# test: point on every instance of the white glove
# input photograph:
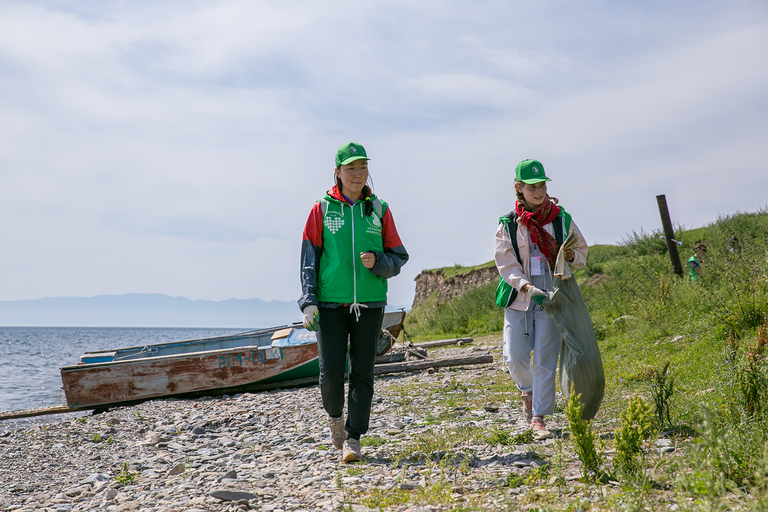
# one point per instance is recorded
(310, 318)
(537, 295)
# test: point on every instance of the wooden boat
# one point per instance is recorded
(224, 364)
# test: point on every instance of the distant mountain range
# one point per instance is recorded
(147, 310)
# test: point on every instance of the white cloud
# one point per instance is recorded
(176, 147)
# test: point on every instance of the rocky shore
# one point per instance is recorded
(271, 451)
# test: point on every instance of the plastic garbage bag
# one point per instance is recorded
(580, 362)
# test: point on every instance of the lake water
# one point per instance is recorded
(30, 357)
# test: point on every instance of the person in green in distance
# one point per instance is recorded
(349, 250)
(526, 247)
(695, 262)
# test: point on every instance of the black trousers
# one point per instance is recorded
(339, 329)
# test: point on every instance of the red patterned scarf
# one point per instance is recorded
(534, 221)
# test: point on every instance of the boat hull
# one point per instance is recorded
(206, 366)
(99, 384)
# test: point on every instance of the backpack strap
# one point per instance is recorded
(510, 221)
(505, 294)
(378, 207)
(564, 227)
(558, 227)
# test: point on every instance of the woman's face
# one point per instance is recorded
(353, 178)
(534, 194)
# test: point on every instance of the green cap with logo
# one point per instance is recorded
(530, 172)
(348, 153)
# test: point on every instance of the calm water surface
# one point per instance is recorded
(30, 357)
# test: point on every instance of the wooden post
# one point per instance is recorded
(669, 234)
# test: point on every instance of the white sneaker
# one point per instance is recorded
(337, 431)
(352, 451)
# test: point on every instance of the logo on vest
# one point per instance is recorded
(333, 222)
(374, 224)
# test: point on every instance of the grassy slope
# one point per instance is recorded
(645, 316)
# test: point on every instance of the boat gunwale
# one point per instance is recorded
(246, 334)
(88, 366)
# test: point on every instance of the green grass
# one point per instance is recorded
(473, 313)
(711, 336)
(458, 269)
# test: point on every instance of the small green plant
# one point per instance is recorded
(322, 447)
(499, 436)
(636, 422)
(186, 474)
(506, 438)
(715, 468)
(753, 379)
(514, 480)
(662, 388)
(559, 462)
(110, 440)
(537, 474)
(354, 471)
(455, 385)
(338, 481)
(126, 476)
(82, 420)
(373, 440)
(525, 437)
(760, 487)
(584, 439)
(96, 438)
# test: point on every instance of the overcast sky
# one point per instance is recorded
(177, 147)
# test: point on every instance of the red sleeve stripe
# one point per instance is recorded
(389, 231)
(313, 230)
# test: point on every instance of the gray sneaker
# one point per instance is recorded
(352, 451)
(337, 431)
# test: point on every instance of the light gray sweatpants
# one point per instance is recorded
(526, 332)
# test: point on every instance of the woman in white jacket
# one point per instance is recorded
(527, 327)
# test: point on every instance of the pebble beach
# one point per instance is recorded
(267, 451)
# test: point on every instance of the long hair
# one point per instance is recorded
(367, 192)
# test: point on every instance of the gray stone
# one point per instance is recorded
(97, 477)
(231, 495)
(176, 470)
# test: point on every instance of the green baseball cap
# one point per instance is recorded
(530, 171)
(348, 153)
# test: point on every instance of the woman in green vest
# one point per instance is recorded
(350, 249)
(526, 265)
